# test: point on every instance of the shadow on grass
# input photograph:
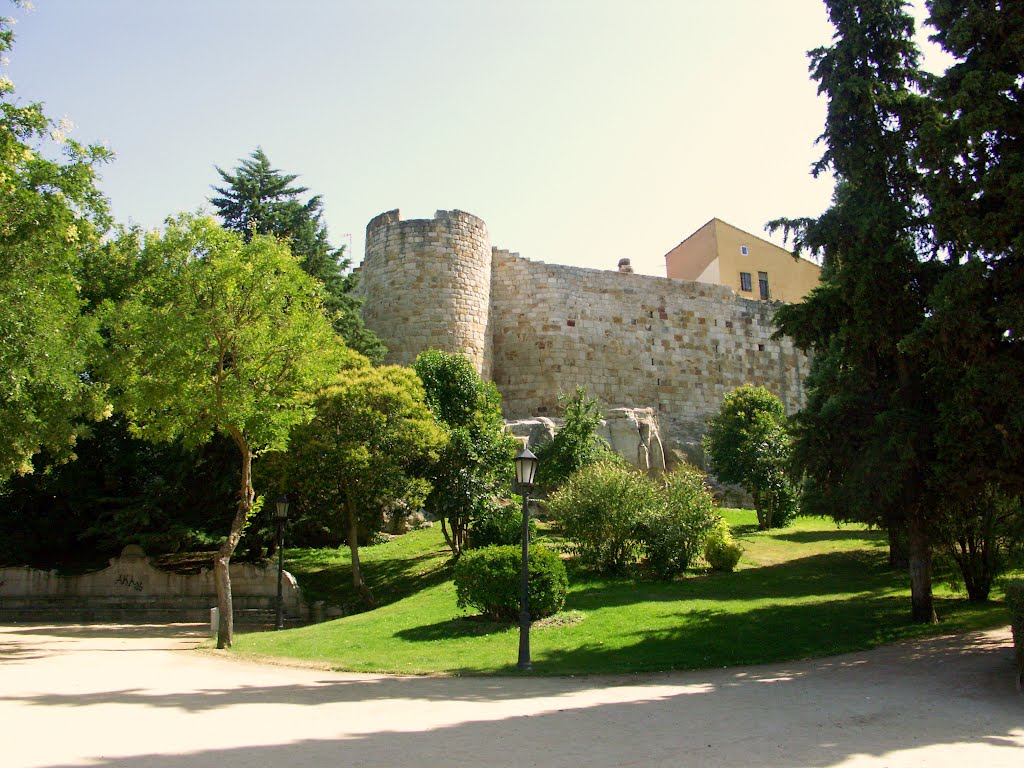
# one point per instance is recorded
(464, 626)
(832, 573)
(390, 580)
(745, 529)
(702, 638)
(809, 537)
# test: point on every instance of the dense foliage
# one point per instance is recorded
(489, 580)
(601, 510)
(864, 436)
(721, 551)
(981, 536)
(674, 532)
(120, 490)
(476, 466)
(613, 515)
(501, 524)
(364, 454)
(258, 199)
(51, 217)
(748, 443)
(576, 443)
(912, 411)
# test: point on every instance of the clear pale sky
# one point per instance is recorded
(581, 131)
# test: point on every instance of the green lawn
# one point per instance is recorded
(812, 589)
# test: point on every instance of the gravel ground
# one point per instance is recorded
(119, 696)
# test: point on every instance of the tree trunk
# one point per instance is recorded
(922, 610)
(222, 562)
(899, 548)
(353, 547)
(759, 509)
(447, 536)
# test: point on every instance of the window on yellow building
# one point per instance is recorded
(745, 284)
(762, 283)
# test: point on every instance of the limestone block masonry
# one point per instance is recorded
(428, 284)
(537, 329)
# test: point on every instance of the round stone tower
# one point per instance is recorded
(427, 284)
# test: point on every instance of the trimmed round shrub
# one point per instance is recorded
(676, 532)
(488, 579)
(720, 550)
(499, 524)
(601, 510)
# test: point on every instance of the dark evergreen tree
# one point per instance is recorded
(863, 438)
(260, 199)
(974, 155)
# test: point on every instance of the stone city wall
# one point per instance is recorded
(428, 284)
(537, 329)
(632, 340)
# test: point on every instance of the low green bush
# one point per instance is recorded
(489, 579)
(675, 532)
(721, 551)
(601, 510)
(499, 524)
(1014, 590)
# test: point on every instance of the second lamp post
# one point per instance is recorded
(282, 515)
(526, 471)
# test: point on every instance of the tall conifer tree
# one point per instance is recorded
(863, 437)
(974, 156)
(258, 199)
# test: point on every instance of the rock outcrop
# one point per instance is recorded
(631, 432)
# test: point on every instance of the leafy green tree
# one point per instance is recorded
(224, 336)
(365, 452)
(576, 444)
(476, 464)
(258, 199)
(51, 215)
(748, 444)
(981, 537)
(864, 438)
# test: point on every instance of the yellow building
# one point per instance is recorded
(721, 254)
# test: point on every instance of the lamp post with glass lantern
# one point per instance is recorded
(526, 470)
(281, 510)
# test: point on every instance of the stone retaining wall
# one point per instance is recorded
(131, 584)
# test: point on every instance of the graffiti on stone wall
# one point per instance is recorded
(125, 580)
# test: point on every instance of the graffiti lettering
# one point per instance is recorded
(130, 582)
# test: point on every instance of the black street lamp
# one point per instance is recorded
(282, 515)
(526, 470)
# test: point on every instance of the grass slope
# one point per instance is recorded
(809, 590)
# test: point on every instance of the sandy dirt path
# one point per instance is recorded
(120, 696)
